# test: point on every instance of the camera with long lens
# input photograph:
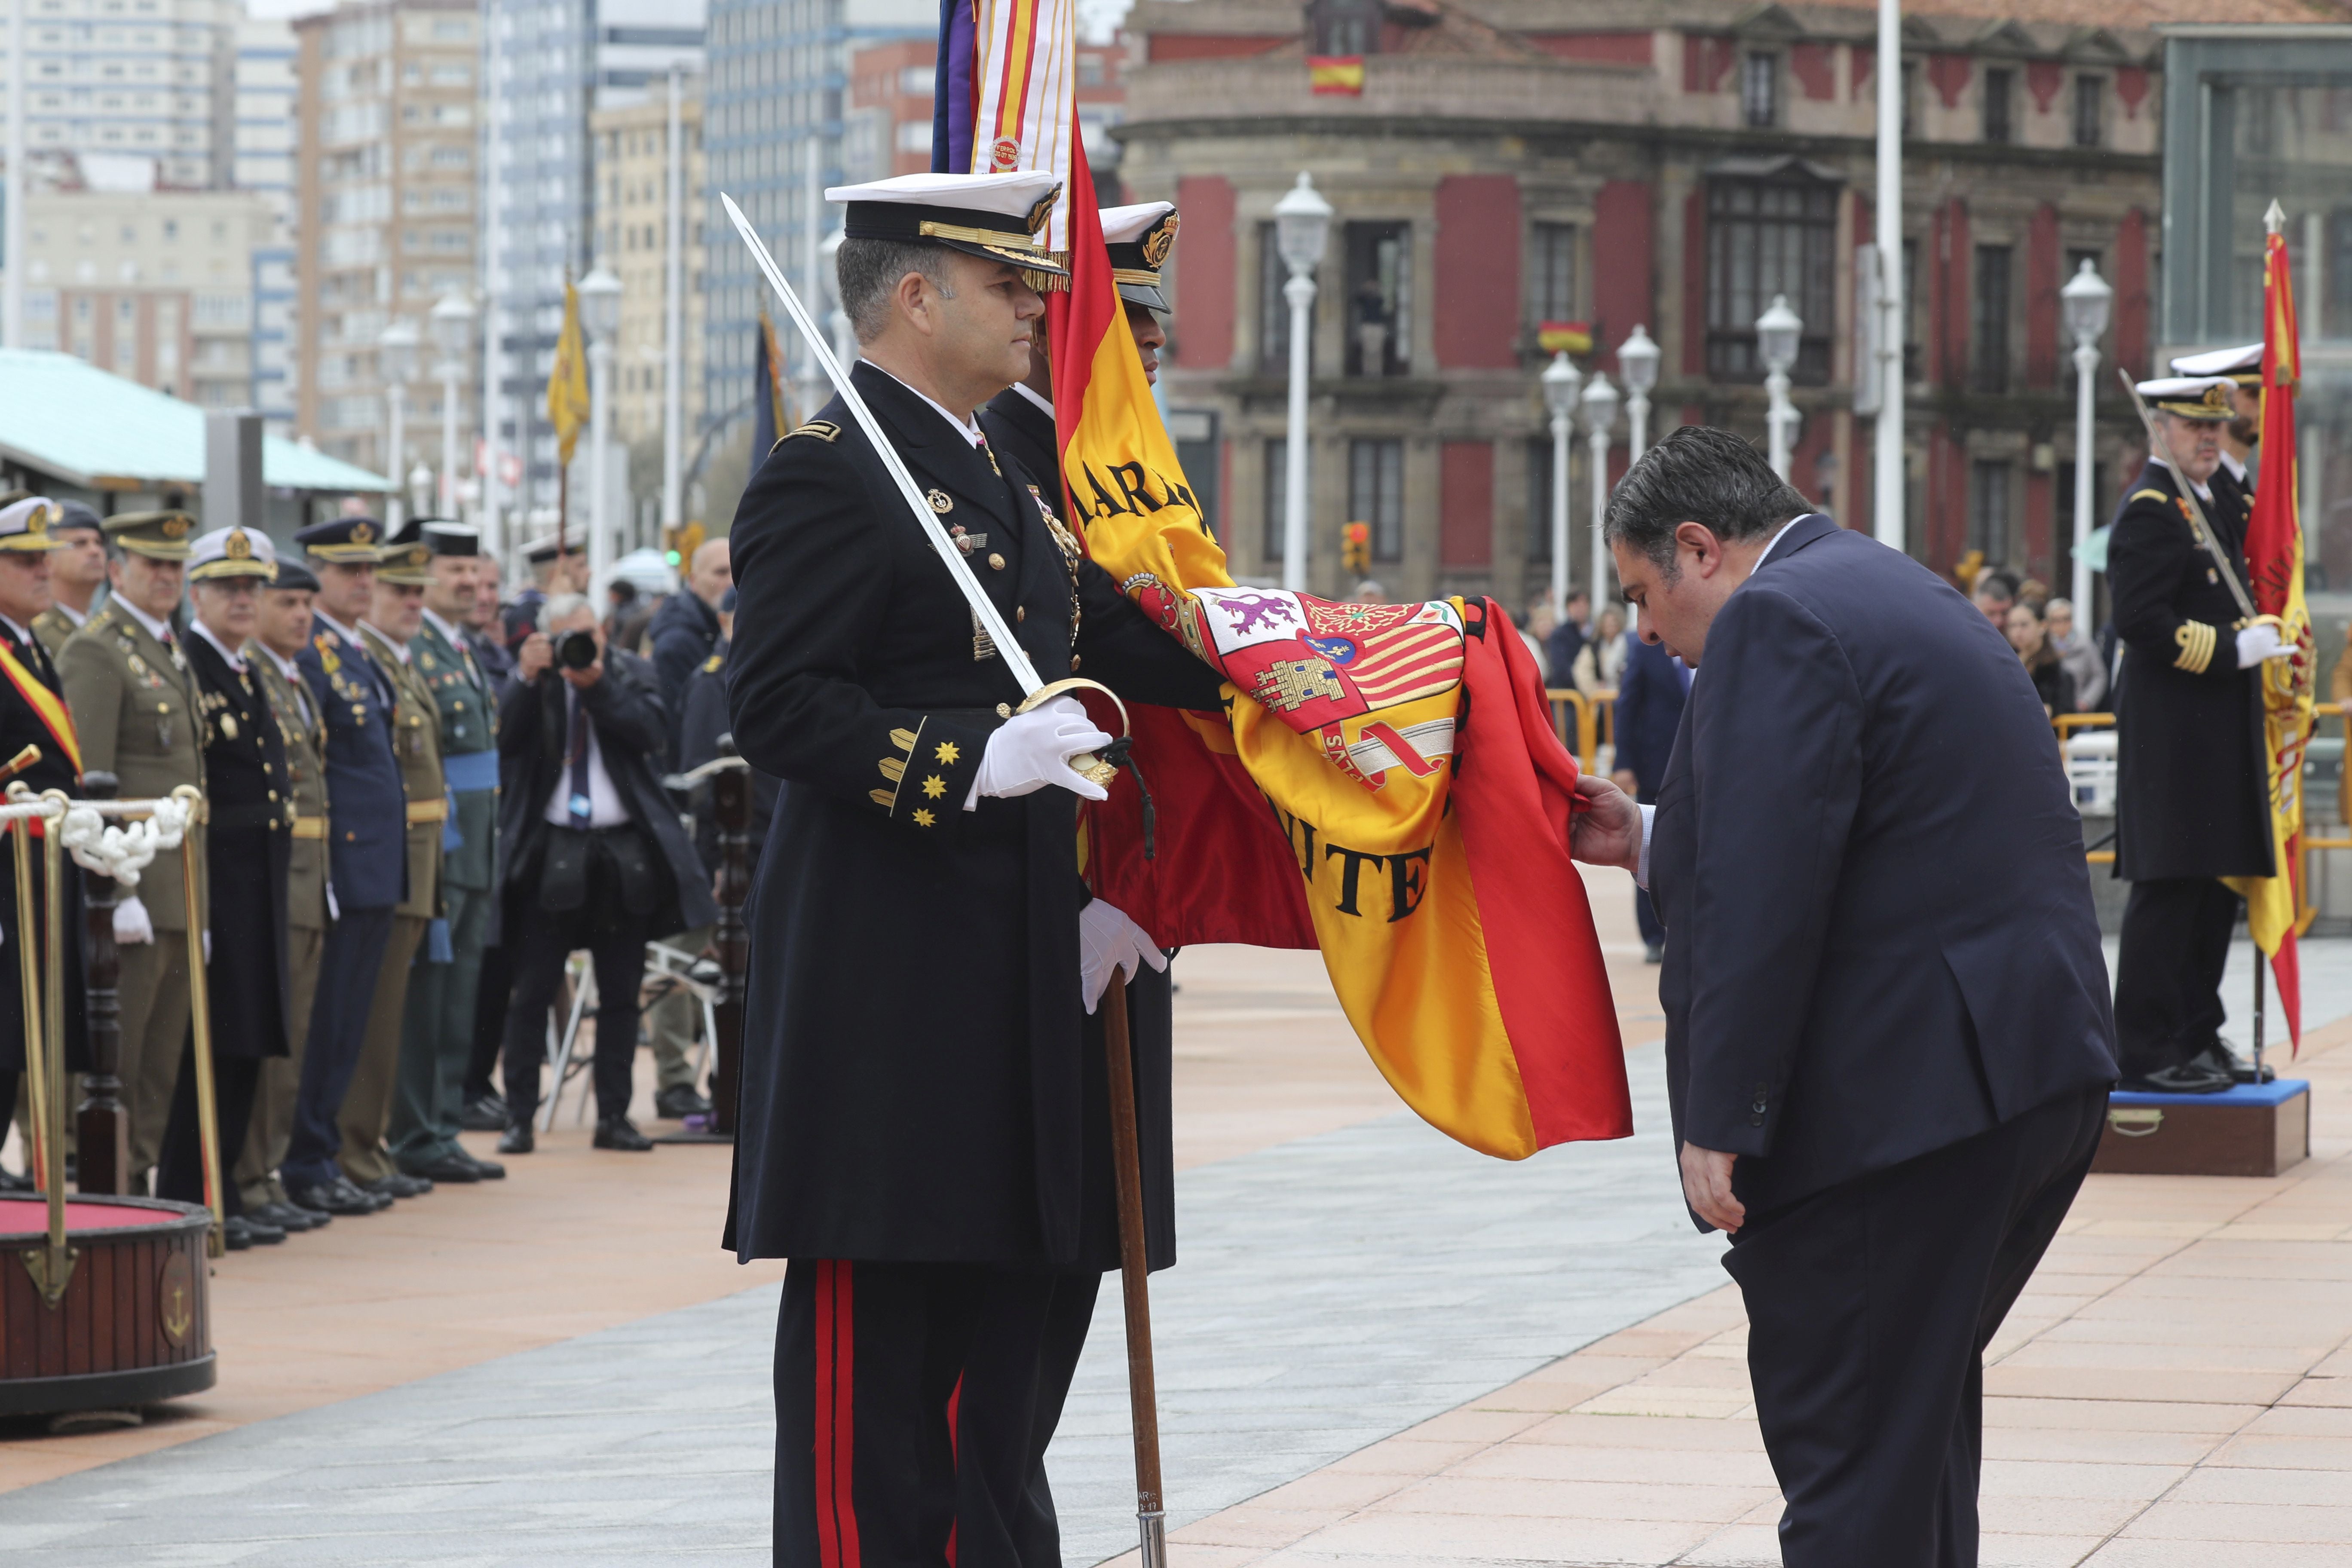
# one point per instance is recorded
(575, 649)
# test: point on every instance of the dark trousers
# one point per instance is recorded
(2176, 942)
(1869, 1306)
(339, 1022)
(180, 1166)
(914, 1404)
(617, 946)
(496, 983)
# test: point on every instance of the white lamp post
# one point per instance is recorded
(420, 489)
(1302, 222)
(2086, 298)
(1599, 414)
(453, 334)
(1777, 332)
(673, 512)
(600, 315)
(397, 360)
(1561, 382)
(1637, 362)
(1889, 482)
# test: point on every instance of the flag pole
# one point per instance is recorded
(1134, 1276)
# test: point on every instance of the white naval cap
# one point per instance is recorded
(995, 217)
(25, 525)
(232, 552)
(2243, 365)
(2191, 396)
(1138, 239)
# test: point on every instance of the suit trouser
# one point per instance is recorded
(1869, 1306)
(339, 1026)
(436, 1036)
(914, 1404)
(367, 1107)
(180, 1167)
(272, 1122)
(618, 954)
(490, 994)
(153, 986)
(674, 1023)
(2176, 942)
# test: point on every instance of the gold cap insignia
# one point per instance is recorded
(173, 526)
(1160, 240)
(1043, 209)
(362, 533)
(238, 548)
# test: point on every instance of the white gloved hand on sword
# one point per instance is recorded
(1032, 749)
(2261, 642)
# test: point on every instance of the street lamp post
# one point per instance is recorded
(1561, 382)
(600, 314)
(453, 332)
(396, 359)
(673, 513)
(1637, 362)
(2086, 298)
(1302, 222)
(1777, 332)
(1599, 414)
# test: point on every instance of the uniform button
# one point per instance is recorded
(1073, 661)
(273, 794)
(1021, 612)
(995, 563)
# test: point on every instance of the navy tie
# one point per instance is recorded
(582, 806)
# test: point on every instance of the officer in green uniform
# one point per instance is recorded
(396, 613)
(436, 1037)
(136, 710)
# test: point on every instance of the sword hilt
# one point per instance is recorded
(1093, 767)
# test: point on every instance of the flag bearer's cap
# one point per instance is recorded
(73, 514)
(451, 538)
(2243, 366)
(995, 217)
(1139, 238)
(157, 535)
(345, 541)
(232, 552)
(2201, 397)
(295, 577)
(26, 525)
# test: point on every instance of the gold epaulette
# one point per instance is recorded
(2151, 494)
(710, 666)
(822, 429)
(2196, 641)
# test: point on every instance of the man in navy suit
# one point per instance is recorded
(1650, 697)
(1887, 1071)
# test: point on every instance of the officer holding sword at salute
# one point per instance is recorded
(922, 1131)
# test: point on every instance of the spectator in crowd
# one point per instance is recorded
(686, 630)
(2079, 654)
(622, 606)
(2029, 634)
(1650, 695)
(1996, 591)
(1602, 662)
(595, 856)
(77, 575)
(1536, 632)
(1369, 592)
(1566, 639)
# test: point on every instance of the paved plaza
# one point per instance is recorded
(1377, 1348)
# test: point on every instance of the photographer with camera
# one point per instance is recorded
(596, 857)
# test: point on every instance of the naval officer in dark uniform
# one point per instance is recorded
(2193, 789)
(923, 1132)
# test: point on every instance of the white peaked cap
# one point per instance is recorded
(1125, 225)
(1009, 196)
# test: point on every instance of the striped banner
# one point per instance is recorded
(1026, 83)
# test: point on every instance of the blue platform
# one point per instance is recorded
(2277, 1092)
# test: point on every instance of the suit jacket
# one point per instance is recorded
(135, 705)
(1846, 985)
(2192, 787)
(248, 843)
(305, 740)
(915, 1079)
(368, 850)
(23, 723)
(1650, 698)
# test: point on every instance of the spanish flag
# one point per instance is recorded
(2275, 557)
(1335, 76)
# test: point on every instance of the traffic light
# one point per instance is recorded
(678, 544)
(1356, 548)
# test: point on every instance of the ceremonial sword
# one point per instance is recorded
(1016, 659)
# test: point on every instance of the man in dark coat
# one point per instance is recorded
(1650, 697)
(686, 628)
(594, 855)
(1887, 1071)
(2192, 790)
(248, 845)
(33, 714)
(939, 1174)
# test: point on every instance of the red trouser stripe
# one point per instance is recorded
(955, 1398)
(836, 1361)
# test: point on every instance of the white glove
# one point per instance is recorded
(1108, 939)
(2260, 642)
(208, 947)
(333, 913)
(130, 922)
(1032, 749)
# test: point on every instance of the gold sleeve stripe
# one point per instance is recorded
(2151, 494)
(882, 797)
(903, 739)
(892, 768)
(895, 768)
(2196, 641)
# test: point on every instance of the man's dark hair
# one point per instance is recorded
(1703, 474)
(1997, 585)
(868, 273)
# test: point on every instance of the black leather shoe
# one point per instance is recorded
(337, 1196)
(679, 1101)
(241, 1231)
(397, 1185)
(287, 1217)
(447, 1168)
(10, 1182)
(485, 1170)
(620, 1133)
(484, 1113)
(518, 1139)
(2196, 1077)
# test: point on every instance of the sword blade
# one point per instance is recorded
(983, 610)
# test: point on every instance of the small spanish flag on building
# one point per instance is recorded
(1336, 75)
(1564, 337)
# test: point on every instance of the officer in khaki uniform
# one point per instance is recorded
(285, 628)
(135, 707)
(75, 575)
(401, 573)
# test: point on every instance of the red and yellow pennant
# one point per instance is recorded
(2274, 559)
(47, 703)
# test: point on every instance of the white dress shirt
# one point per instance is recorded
(965, 425)
(160, 630)
(235, 660)
(605, 807)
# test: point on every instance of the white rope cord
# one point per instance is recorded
(122, 851)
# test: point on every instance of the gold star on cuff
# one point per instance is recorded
(935, 786)
(947, 752)
(924, 819)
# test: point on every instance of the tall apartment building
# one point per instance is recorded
(385, 196)
(146, 79)
(262, 160)
(551, 63)
(633, 170)
(154, 286)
